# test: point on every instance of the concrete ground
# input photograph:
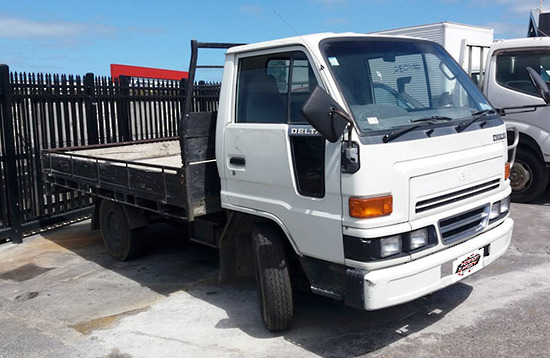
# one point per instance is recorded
(62, 295)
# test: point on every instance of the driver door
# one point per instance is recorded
(276, 165)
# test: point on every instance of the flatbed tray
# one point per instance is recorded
(144, 174)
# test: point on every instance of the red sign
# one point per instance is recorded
(146, 72)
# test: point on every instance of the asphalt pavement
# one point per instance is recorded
(62, 295)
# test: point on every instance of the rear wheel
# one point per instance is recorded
(121, 241)
(272, 278)
(528, 176)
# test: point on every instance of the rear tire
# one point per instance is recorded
(272, 278)
(528, 176)
(120, 240)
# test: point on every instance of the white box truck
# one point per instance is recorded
(468, 44)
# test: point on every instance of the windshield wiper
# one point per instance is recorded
(398, 133)
(477, 116)
(431, 119)
(417, 122)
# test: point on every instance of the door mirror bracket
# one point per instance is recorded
(326, 115)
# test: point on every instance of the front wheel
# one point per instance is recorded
(528, 176)
(119, 238)
(272, 278)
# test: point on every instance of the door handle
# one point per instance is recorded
(237, 161)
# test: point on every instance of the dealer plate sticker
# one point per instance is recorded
(467, 264)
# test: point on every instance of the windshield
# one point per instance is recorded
(393, 83)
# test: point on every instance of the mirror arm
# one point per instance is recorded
(344, 115)
(349, 141)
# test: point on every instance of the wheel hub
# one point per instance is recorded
(115, 227)
(520, 176)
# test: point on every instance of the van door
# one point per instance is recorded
(276, 164)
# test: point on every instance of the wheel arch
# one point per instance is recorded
(235, 244)
(527, 142)
(265, 217)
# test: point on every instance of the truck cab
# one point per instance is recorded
(373, 160)
(507, 83)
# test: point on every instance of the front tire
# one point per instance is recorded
(120, 240)
(272, 277)
(528, 176)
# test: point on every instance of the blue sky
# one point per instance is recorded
(76, 37)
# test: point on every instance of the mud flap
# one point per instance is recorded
(355, 292)
(235, 249)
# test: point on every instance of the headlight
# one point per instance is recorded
(417, 239)
(499, 209)
(390, 246)
(505, 205)
(495, 211)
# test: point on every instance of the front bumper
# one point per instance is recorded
(403, 283)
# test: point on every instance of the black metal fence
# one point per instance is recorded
(50, 111)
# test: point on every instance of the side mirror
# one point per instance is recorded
(325, 115)
(540, 85)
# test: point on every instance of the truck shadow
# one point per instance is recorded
(321, 326)
(544, 199)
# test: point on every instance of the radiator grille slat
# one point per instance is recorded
(458, 195)
(465, 225)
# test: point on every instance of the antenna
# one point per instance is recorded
(295, 33)
(300, 36)
(287, 24)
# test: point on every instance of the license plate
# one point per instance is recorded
(467, 264)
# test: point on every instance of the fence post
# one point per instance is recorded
(91, 109)
(14, 205)
(123, 112)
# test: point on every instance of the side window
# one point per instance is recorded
(511, 70)
(273, 88)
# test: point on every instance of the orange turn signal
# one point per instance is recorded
(370, 207)
(506, 170)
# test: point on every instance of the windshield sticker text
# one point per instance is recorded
(407, 67)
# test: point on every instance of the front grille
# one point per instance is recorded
(464, 226)
(456, 196)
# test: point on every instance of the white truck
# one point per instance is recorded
(499, 68)
(370, 165)
(506, 84)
